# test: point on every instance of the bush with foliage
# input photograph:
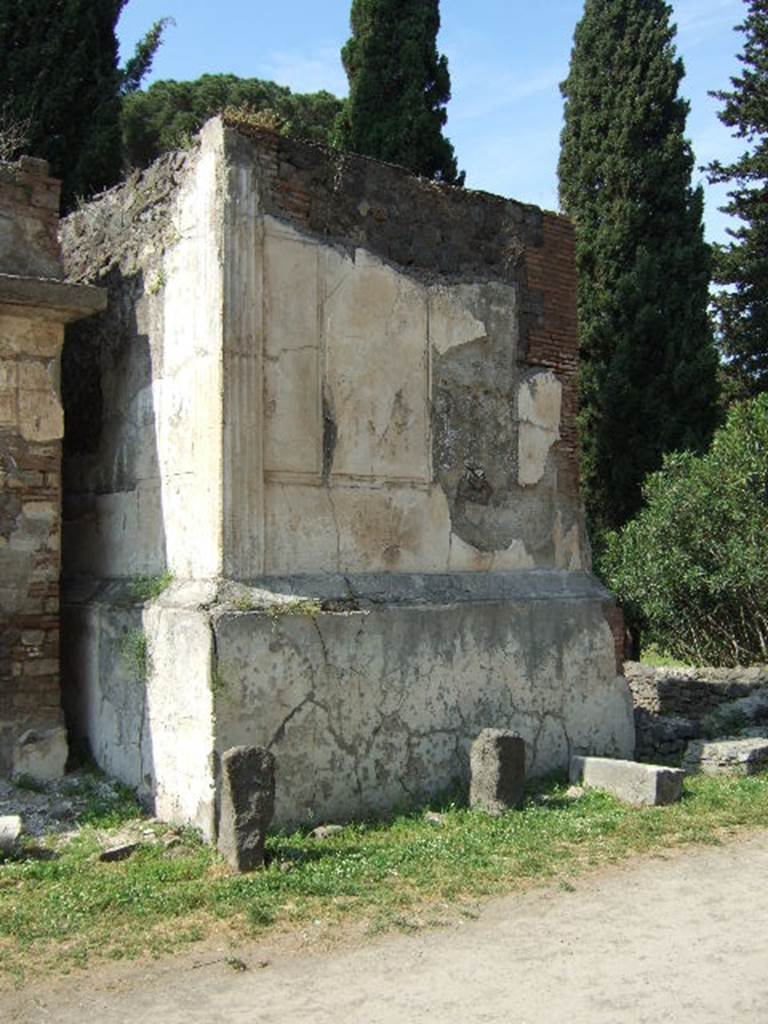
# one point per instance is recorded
(692, 568)
(168, 113)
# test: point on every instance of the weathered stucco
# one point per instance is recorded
(322, 377)
(369, 690)
(254, 376)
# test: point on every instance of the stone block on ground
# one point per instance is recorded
(41, 754)
(247, 805)
(497, 765)
(10, 832)
(630, 781)
(744, 755)
(118, 853)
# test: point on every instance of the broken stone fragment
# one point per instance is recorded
(247, 805)
(740, 756)
(41, 754)
(116, 853)
(10, 832)
(497, 765)
(325, 831)
(434, 819)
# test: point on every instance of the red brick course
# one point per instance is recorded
(552, 331)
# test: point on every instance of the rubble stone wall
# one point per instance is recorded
(675, 705)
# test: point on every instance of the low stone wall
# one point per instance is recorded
(672, 705)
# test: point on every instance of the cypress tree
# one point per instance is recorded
(58, 66)
(399, 87)
(742, 311)
(60, 77)
(648, 377)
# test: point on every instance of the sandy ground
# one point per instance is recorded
(678, 938)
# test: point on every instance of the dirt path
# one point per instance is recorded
(675, 939)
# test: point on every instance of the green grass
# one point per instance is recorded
(147, 588)
(134, 650)
(654, 658)
(403, 873)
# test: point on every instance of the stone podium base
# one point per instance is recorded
(368, 689)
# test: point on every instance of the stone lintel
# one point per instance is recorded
(47, 299)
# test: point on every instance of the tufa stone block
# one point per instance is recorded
(41, 754)
(630, 781)
(247, 805)
(497, 765)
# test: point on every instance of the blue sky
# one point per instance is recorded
(506, 59)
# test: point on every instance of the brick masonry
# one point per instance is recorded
(31, 428)
(551, 328)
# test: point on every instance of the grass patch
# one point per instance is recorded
(147, 588)
(294, 606)
(407, 872)
(654, 658)
(134, 650)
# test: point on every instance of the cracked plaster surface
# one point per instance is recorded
(366, 709)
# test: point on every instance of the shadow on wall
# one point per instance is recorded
(113, 530)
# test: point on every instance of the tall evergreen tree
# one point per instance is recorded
(742, 310)
(398, 87)
(59, 74)
(648, 378)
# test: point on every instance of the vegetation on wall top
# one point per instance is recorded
(169, 113)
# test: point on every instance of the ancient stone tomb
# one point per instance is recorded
(322, 484)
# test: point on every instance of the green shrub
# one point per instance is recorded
(168, 113)
(692, 568)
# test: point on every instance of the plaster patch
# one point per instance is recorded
(377, 365)
(450, 321)
(515, 557)
(568, 553)
(539, 401)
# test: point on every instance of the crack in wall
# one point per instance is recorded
(279, 734)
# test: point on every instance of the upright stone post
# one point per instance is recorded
(35, 304)
(497, 765)
(247, 805)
